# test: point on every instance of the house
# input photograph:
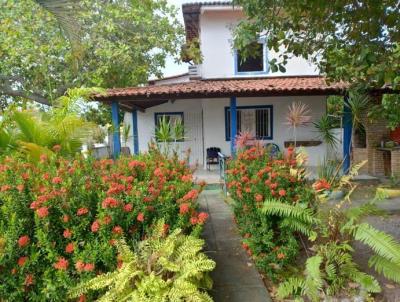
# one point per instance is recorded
(226, 94)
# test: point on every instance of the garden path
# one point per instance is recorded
(236, 279)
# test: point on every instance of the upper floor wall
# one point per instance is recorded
(216, 24)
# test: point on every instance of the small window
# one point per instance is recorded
(256, 120)
(254, 63)
(173, 118)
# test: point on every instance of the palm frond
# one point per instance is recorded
(65, 13)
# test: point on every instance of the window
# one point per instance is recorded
(253, 64)
(170, 117)
(254, 119)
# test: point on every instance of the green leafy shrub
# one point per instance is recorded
(163, 268)
(59, 218)
(331, 268)
(254, 177)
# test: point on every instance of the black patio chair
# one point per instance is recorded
(212, 156)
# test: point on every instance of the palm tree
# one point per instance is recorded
(35, 133)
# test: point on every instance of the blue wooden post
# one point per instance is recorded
(233, 111)
(135, 133)
(347, 133)
(115, 122)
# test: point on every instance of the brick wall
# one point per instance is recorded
(359, 155)
(375, 132)
(396, 163)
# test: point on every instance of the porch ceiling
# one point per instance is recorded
(141, 98)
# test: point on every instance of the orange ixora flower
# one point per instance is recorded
(67, 233)
(184, 208)
(82, 211)
(89, 267)
(43, 212)
(202, 217)
(281, 256)
(23, 241)
(28, 280)
(61, 264)
(56, 180)
(95, 226)
(282, 192)
(22, 260)
(140, 217)
(69, 248)
(79, 265)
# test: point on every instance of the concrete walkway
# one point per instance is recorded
(235, 278)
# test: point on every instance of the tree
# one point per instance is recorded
(354, 41)
(121, 43)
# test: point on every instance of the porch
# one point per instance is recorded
(208, 101)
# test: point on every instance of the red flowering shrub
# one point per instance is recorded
(254, 177)
(59, 219)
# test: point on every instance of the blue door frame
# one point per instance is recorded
(347, 133)
(233, 109)
(116, 134)
(135, 133)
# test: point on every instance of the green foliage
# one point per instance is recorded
(162, 268)
(168, 133)
(121, 43)
(324, 127)
(191, 52)
(330, 170)
(331, 268)
(64, 215)
(255, 178)
(389, 110)
(357, 42)
(35, 133)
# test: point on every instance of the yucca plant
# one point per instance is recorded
(332, 228)
(324, 127)
(298, 115)
(126, 129)
(162, 269)
(167, 133)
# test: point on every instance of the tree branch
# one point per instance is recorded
(36, 97)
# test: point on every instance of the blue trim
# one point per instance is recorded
(265, 59)
(271, 123)
(157, 114)
(233, 124)
(347, 133)
(135, 133)
(116, 136)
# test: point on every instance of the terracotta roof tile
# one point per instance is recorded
(289, 85)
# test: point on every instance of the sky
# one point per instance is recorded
(172, 68)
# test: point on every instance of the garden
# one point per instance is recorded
(65, 221)
(301, 237)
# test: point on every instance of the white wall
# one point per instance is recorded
(192, 121)
(216, 47)
(214, 122)
(212, 111)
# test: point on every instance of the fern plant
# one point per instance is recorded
(162, 268)
(331, 267)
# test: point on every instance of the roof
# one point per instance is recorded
(147, 96)
(176, 77)
(191, 16)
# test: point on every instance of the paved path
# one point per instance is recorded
(235, 278)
